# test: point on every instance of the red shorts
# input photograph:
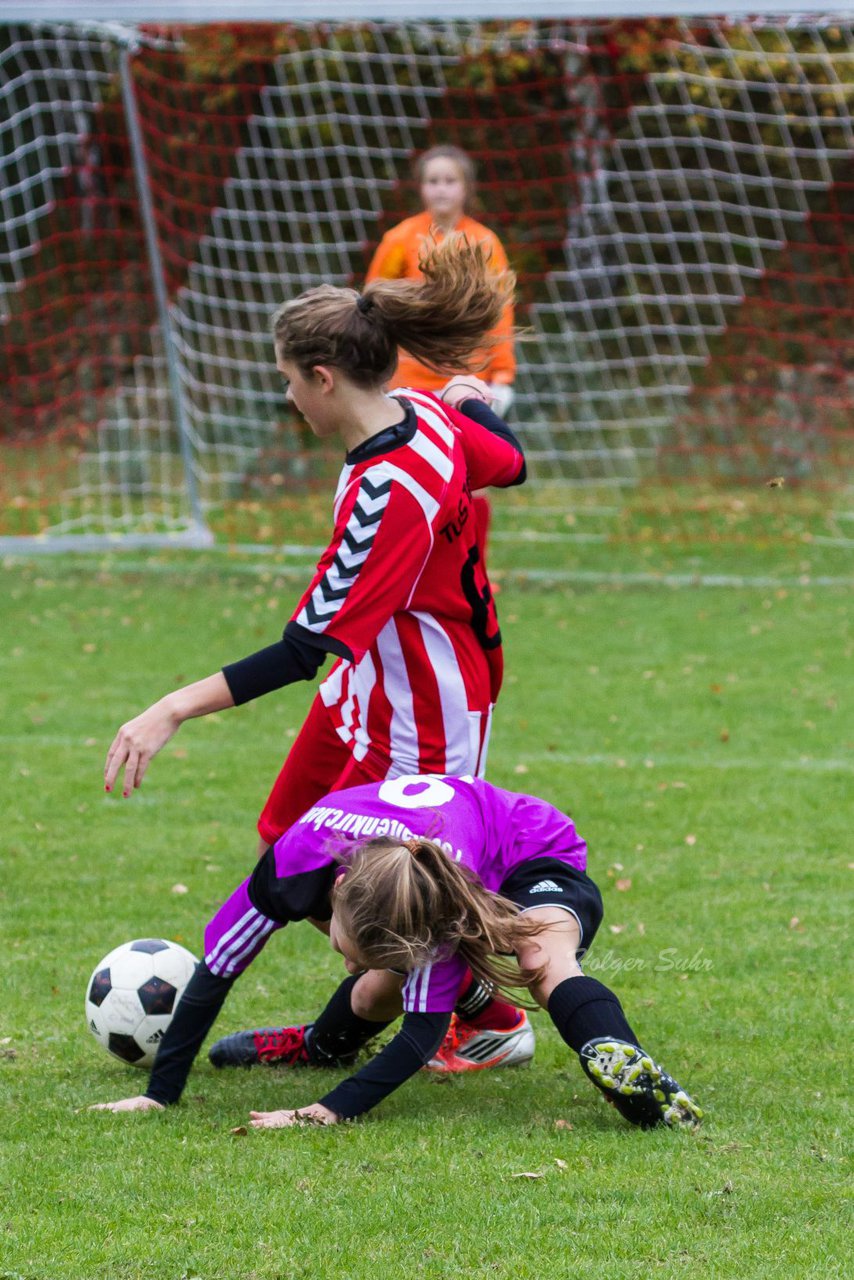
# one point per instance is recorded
(317, 763)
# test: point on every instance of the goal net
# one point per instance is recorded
(677, 197)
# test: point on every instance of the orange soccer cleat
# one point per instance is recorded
(468, 1048)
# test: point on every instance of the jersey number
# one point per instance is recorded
(479, 600)
(417, 791)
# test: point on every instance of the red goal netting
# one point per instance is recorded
(677, 198)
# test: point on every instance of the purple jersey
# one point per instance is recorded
(489, 830)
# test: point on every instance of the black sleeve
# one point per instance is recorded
(196, 1013)
(297, 656)
(480, 412)
(415, 1043)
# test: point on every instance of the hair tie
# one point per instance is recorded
(364, 304)
(413, 846)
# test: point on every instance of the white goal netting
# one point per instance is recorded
(676, 196)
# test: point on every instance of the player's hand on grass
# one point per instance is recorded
(137, 741)
(139, 1103)
(465, 386)
(315, 1114)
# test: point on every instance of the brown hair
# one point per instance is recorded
(401, 904)
(444, 320)
(461, 159)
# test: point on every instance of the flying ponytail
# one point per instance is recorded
(403, 905)
(444, 320)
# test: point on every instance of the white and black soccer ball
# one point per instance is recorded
(132, 995)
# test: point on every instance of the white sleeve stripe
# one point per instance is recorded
(432, 454)
(409, 991)
(247, 918)
(428, 505)
(425, 988)
(431, 414)
(252, 944)
(341, 489)
(223, 959)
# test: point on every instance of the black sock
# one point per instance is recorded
(339, 1033)
(584, 1009)
(195, 1014)
(479, 1006)
(476, 997)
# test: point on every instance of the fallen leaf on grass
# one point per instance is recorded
(623, 886)
(532, 1177)
(562, 1124)
(691, 840)
(240, 1132)
(616, 928)
(561, 1164)
(776, 482)
(180, 888)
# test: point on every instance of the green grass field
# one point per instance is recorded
(701, 740)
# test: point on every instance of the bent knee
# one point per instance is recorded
(376, 996)
(554, 951)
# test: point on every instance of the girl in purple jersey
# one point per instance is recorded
(423, 876)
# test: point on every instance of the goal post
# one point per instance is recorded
(675, 194)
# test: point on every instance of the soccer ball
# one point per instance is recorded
(132, 995)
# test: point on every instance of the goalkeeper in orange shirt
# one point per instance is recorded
(446, 180)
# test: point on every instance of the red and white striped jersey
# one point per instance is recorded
(402, 591)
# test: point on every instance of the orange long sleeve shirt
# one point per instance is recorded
(397, 258)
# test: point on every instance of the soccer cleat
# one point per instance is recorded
(641, 1091)
(468, 1048)
(271, 1046)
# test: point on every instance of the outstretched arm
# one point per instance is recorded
(233, 938)
(138, 741)
(141, 738)
(413, 1046)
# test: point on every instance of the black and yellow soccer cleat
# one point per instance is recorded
(642, 1092)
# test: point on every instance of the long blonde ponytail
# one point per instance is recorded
(404, 905)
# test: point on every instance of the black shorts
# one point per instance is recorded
(548, 882)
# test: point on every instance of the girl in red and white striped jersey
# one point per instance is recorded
(400, 598)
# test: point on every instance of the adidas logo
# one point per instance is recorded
(545, 886)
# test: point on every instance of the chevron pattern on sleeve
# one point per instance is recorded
(356, 541)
